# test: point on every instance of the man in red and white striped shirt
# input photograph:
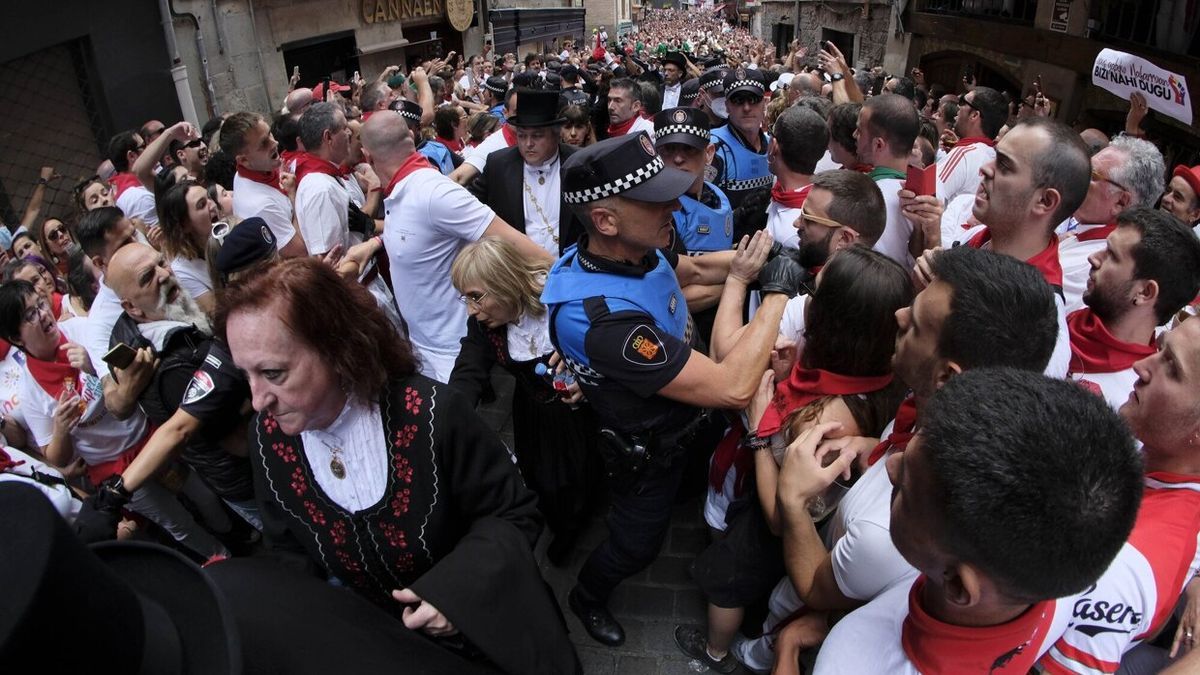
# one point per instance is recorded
(1133, 599)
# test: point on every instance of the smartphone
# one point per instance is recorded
(120, 356)
(922, 181)
(356, 76)
(295, 71)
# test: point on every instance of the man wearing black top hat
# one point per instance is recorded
(674, 72)
(523, 183)
(619, 319)
(445, 159)
(741, 159)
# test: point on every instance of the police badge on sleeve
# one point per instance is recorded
(200, 386)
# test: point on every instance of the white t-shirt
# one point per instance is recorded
(192, 274)
(99, 437)
(1114, 387)
(1075, 243)
(781, 222)
(105, 311)
(791, 326)
(477, 156)
(826, 163)
(957, 218)
(429, 219)
(251, 198)
(958, 172)
(322, 212)
(138, 202)
(898, 231)
(641, 124)
(12, 370)
(64, 501)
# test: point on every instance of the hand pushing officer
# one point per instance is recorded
(619, 319)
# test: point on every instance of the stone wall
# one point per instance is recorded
(770, 14)
(871, 33)
(601, 13)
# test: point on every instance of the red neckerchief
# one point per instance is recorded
(903, 429)
(933, 646)
(621, 128)
(729, 452)
(862, 168)
(56, 300)
(289, 158)
(789, 199)
(805, 385)
(6, 460)
(414, 162)
(1096, 233)
(308, 163)
(122, 182)
(367, 115)
(270, 178)
(510, 136)
(971, 140)
(1095, 350)
(454, 144)
(5, 346)
(53, 375)
(1046, 261)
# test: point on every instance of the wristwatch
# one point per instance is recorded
(836, 77)
(755, 442)
(118, 486)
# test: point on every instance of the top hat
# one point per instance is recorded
(677, 58)
(745, 80)
(688, 126)
(625, 166)
(127, 607)
(536, 108)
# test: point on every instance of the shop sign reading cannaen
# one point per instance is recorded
(405, 11)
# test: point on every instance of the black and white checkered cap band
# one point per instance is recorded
(494, 90)
(746, 83)
(681, 129)
(715, 83)
(617, 186)
(750, 184)
(410, 116)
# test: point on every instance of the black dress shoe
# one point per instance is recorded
(596, 619)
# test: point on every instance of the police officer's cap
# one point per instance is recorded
(688, 126)
(745, 80)
(410, 111)
(249, 242)
(689, 91)
(713, 81)
(626, 166)
(496, 84)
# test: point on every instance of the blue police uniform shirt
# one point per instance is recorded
(438, 155)
(737, 169)
(497, 111)
(706, 224)
(623, 330)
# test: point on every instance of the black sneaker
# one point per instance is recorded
(693, 642)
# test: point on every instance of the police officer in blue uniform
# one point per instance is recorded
(704, 221)
(740, 164)
(494, 89)
(445, 159)
(619, 319)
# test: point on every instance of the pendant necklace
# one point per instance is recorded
(336, 467)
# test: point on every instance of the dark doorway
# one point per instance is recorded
(949, 69)
(844, 41)
(334, 56)
(783, 34)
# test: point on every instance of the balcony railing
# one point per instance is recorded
(1152, 23)
(1013, 11)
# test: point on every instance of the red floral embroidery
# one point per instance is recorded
(404, 469)
(404, 562)
(314, 513)
(270, 424)
(400, 502)
(405, 436)
(349, 562)
(338, 532)
(412, 401)
(299, 482)
(286, 452)
(498, 343)
(394, 535)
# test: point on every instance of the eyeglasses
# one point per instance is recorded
(82, 185)
(194, 143)
(820, 220)
(31, 314)
(962, 100)
(57, 233)
(1097, 176)
(473, 298)
(220, 230)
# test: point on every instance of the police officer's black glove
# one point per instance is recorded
(101, 513)
(781, 275)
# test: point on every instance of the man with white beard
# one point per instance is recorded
(159, 314)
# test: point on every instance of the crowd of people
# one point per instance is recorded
(932, 351)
